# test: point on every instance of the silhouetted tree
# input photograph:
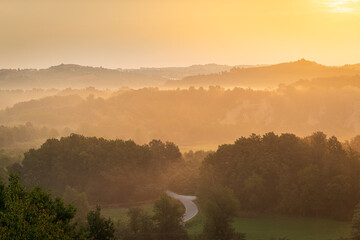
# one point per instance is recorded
(33, 214)
(355, 224)
(220, 208)
(168, 214)
(141, 226)
(99, 227)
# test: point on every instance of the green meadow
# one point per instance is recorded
(293, 228)
(263, 227)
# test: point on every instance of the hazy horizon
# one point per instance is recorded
(183, 66)
(132, 34)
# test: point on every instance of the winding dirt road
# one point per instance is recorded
(190, 207)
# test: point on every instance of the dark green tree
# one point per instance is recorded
(33, 214)
(355, 224)
(99, 228)
(168, 214)
(220, 208)
(140, 226)
(79, 200)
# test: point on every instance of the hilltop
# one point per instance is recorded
(267, 76)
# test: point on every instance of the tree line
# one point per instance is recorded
(25, 133)
(311, 176)
(108, 171)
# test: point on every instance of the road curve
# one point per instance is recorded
(190, 207)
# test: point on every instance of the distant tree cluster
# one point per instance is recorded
(10, 136)
(220, 207)
(108, 171)
(312, 176)
(8, 157)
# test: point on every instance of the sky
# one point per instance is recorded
(158, 33)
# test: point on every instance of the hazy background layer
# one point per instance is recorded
(41, 33)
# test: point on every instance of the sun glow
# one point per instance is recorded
(343, 6)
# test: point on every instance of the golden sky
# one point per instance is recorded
(134, 33)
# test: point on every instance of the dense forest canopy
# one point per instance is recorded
(311, 176)
(198, 116)
(108, 171)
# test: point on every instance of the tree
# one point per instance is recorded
(220, 208)
(141, 226)
(99, 227)
(168, 219)
(355, 224)
(79, 200)
(33, 214)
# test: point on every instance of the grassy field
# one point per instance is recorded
(293, 228)
(263, 227)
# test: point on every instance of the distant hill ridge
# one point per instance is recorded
(269, 76)
(253, 76)
(181, 72)
(77, 76)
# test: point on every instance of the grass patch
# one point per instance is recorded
(261, 227)
(294, 228)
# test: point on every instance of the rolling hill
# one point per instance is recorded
(267, 76)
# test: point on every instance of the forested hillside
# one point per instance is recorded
(9, 98)
(311, 176)
(199, 116)
(108, 171)
(17, 136)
